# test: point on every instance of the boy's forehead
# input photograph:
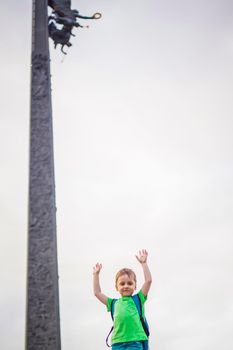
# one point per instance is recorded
(125, 277)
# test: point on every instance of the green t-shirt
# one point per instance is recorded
(127, 324)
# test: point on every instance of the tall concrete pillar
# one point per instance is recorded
(42, 316)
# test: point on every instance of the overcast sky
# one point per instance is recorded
(143, 119)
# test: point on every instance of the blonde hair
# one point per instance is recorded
(130, 273)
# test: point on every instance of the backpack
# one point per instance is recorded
(143, 320)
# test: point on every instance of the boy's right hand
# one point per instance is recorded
(96, 284)
(97, 268)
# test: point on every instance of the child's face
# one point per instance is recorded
(126, 285)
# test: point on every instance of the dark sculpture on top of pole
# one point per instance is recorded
(63, 14)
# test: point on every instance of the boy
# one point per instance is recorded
(128, 333)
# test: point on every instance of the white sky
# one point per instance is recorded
(143, 119)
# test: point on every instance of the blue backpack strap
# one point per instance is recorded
(112, 308)
(138, 304)
(144, 323)
(112, 315)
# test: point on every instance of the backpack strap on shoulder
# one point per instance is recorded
(112, 306)
(138, 304)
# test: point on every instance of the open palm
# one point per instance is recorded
(142, 256)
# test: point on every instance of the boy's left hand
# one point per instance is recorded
(142, 258)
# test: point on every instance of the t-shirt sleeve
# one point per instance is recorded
(143, 298)
(109, 302)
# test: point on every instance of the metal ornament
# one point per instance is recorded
(66, 17)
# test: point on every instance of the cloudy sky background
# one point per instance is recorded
(142, 108)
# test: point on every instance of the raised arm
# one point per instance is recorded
(142, 258)
(96, 284)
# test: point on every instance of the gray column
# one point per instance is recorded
(42, 319)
